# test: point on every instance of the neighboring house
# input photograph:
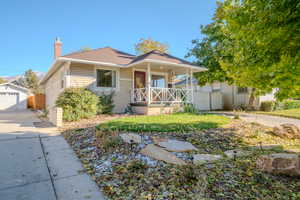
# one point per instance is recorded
(205, 98)
(145, 82)
(13, 97)
(232, 96)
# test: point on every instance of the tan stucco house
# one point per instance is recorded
(145, 82)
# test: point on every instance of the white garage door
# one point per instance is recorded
(8, 100)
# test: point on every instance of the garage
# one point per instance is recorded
(13, 97)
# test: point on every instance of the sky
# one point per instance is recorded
(28, 28)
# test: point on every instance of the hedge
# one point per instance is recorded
(284, 105)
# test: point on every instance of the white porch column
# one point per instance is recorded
(191, 86)
(187, 79)
(68, 75)
(148, 84)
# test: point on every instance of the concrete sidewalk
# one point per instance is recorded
(37, 166)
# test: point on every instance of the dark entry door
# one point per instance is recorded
(139, 79)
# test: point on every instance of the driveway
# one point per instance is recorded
(267, 120)
(38, 164)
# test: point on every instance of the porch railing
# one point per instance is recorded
(161, 95)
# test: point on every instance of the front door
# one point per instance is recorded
(139, 79)
(140, 87)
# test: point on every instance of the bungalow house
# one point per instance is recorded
(145, 82)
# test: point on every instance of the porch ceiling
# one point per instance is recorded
(162, 68)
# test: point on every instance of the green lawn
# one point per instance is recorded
(291, 113)
(179, 122)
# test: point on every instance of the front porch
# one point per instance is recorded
(159, 96)
(154, 92)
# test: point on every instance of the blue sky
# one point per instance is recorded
(28, 28)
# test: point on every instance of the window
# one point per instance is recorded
(62, 84)
(242, 90)
(106, 78)
(158, 81)
(62, 80)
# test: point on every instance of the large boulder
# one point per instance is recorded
(158, 153)
(131, 137)
(280, 163)
(205, 158)
(290, 131)
(177, 146)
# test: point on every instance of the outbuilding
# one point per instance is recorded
(13, 97)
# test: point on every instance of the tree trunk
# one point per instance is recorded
(252, 100)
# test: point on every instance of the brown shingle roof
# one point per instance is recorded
(110, 55)
(106, 54)
(157, 55)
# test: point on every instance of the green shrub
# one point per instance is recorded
(77, 103)
(288, 104)
(267, 106)
(190, 108)
(106, 103)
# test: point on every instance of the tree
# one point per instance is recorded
(85, 48)
(147, 45)
(253, 44)
(207, 53)
(2, 80)
(31, 81)
(264, 37)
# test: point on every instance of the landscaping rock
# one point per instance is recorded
(131, 137)
(177, 146)
(236, 153)
(157, 140)
(280, 163)
(290, 131)
(267, 147)
(158, 153)
(205, 158)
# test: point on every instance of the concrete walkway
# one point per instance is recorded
(266, 120)
(38, 164)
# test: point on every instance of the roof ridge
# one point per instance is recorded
(97, 49)
(81, 51)
(162, 54)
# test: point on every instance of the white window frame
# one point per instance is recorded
(117, 70)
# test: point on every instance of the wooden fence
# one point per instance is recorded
(36, 102)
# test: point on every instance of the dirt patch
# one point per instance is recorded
(43, 124)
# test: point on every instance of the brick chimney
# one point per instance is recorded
(57, 48)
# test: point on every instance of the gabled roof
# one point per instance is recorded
(114, 56)
(106, 54)
(157, 55)
(16, 86)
